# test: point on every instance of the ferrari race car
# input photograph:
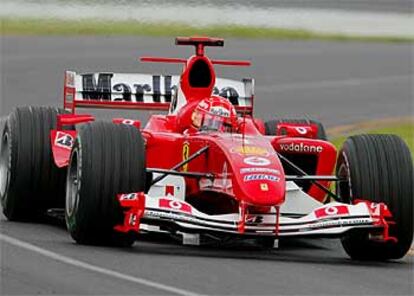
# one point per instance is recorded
(205, 171)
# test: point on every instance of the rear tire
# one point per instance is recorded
(107, 159)
(270, 126)
(307, 162)
(378, 168)
(30, 182)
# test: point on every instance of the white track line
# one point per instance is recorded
(94, 268)
(332, 83)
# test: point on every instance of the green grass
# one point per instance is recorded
(404, 130)
(11, 26)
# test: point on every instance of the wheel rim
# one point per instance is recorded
(73, 184)
(4, 165)
(344, 187)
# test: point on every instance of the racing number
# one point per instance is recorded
(186, 154)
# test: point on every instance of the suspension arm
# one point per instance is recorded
(313, 181)
(311, 178)
(178, 173)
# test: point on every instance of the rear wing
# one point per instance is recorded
(143, 91)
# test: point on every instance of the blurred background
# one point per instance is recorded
(361, 17)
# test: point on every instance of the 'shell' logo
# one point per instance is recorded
(251, 150)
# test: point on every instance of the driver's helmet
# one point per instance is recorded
(214, 114)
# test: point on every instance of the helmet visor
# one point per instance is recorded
(212, 122)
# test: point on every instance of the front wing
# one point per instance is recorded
(332, 219)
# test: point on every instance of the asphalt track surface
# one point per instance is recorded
(335, 82)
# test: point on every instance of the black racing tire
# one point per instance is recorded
(107, 159)
(270, 126)
(30, 182)
(378, 168)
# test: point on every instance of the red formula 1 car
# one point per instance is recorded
(205, 171)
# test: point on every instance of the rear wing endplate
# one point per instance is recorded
(143, 91)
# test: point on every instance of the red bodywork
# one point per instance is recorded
(248, 175)
(245, 164)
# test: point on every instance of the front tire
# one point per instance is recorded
(378, 168)
(106, 160)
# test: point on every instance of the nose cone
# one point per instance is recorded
(260, 180)
(258, 176)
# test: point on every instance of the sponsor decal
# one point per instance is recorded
(111, 87)
(175, 205)
(257, 161)
(264, 187)
(220, 111)
(246, 139)
(376, 209)
(332, 211)
(341, 223)
(260, 177)
(69, 96)
(251, 219)
(169, 190)
(128, 121)
(186, 154)
(301, 147)
(132, 221)
(129, 196)
(251, 150)
(203, 104)
(259, 170)
(380, 209)
(64, 140)
(172, 216)
(302, 130)
(70, 79)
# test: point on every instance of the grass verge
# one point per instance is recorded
(401, 127)
(22, 26)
